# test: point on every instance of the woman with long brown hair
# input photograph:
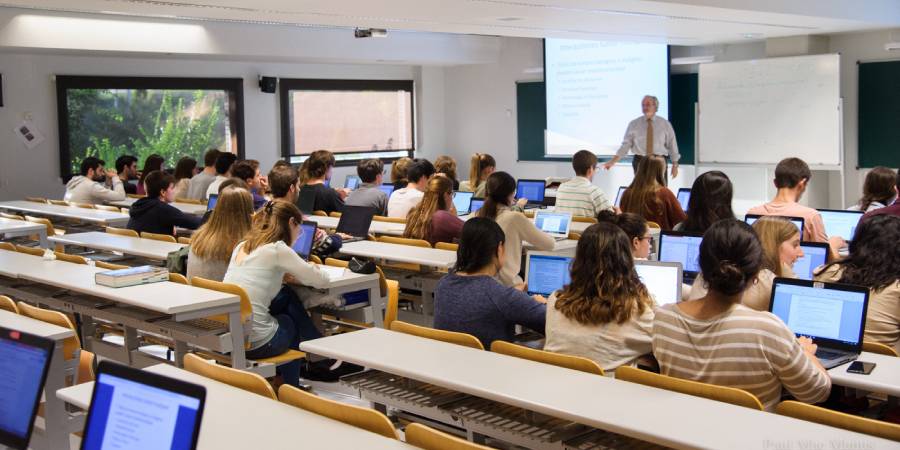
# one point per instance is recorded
(315, 172)
(434, 218)
(879, 189)
(184, 171)
(153, 162)
(482, 166)
(648, 195)
(212, 244)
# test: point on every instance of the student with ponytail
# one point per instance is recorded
(482, 166)
(434, 218)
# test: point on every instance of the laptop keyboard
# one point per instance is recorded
(827, 354)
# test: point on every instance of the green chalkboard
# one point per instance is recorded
(531, 117)
(879, 114)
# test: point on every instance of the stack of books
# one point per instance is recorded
(131, 276)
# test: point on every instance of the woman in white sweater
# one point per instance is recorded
(501, 191)
(259, 264)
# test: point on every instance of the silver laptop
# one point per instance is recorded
(662, 279)
(554, 223)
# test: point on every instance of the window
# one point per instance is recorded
(354, 119)
(107, 117)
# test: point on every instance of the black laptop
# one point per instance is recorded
(24, 361)
(355, 221)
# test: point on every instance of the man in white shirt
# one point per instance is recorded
(223, 172)
(579, 195)
(89, 187)
(648, 134)
(405, 199)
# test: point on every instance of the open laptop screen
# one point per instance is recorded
(303, 244)
(829, 311)
(533, 190)
(682, 248)
(814, 255)
(619, 195)
(211, 203)
(355, 220)
(462, 201)
(387, 188)
(798, 222)
(554, 223)
(477, 203)
(684, 196)
(547, 273)
(351, 182)
(840, 223)
(663, 280)
(24, 360)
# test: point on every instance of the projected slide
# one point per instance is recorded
(595, 88)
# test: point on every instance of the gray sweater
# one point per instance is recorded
(369, 195)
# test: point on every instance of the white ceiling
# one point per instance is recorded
(677, 22)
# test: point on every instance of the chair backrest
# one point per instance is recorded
(574, 236)
(725, 394)
(320, 213)
(159, 237)
(75, 259)
(83, 205)
(30, 250)
(584, 219)
(452, 337)
(135, 196)
(109, 266)
(85, 367)
(428, 438)
(557, 359)
(109, 208)
(190, 201)
(7, 246)
(178, 278)
(7, 304)
(184, 240)
(389, 219)
(405, 241)
(334, 214)
(228, 288)
(315, 259)
(46, 222)
(881, 349)
(11, 216)
(247, 381)
(58, 202)
(446, 246)
(70, 345)
(365, 418)
(36, 199)
(810, 413)
(651, 224)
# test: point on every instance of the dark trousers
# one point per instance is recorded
(636, 161)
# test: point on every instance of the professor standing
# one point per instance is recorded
(648, 135)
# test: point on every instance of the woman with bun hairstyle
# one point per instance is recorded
(715, 339)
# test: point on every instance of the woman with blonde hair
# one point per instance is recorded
(212, 244)
(398, 172)
(447, 166)
(434, 218)
(482, 166)
(648, 195)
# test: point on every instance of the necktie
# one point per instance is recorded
(649, 151)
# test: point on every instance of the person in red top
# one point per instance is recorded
(434, 218)
(649, 197)
(893, 209)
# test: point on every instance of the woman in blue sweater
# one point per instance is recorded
(470, 300)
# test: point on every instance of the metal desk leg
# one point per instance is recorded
(236, 328)
(43, 239)
(378, 304)
(181, 349)
(55, 414)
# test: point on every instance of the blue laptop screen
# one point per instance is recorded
(547, 273)
(387, 188)
(128, 414)
(462, 201)
(303, 244)
(211, 203)
(352, 182)
(841, 223)
(477, 203)
(684, 196)
(553, 223)
(619, 195)
(681, 249)
(22, 366)
(820, 312)
(813, 256)
(532, 190)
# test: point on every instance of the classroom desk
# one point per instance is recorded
(188, 208)
(14, 228)
(649, 414)
(98, 240)
(93, 216)
(377, 226)
(371, 312)
(884, 379)
(238, 419)
(55, 416)
(431, 257)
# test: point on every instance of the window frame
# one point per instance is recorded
(234, 87)
(286, 85)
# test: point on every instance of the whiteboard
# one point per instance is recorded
(762, 111)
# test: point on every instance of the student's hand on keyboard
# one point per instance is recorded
(808, 346)
(539, 298)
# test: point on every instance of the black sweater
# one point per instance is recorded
(154, 216)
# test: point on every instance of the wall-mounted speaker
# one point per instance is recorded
(268, 84)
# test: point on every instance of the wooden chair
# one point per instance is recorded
(34, 251)
(51, 231)
(135, 196)
(452, 337)
(122, 232)
(85, 367)
(247, 381)
(574, 236)
(83, 205)
(11, 216)
(446, 246)
(365, 418)
(389, 288)
(7, 246)
(428, 438)
(725, 394)
(184, 240)
(178, 278)
(36, 199)
(881, 349)
(159, 237)
(189, 201)
(70, 345)
(389, 219)
(109, 208)
(810, 413)
(109, 266)
(584, 219)
(74, 259)
(320, 213)
(7, 304)
(334, 214)
(315, 259)
(557, 359)
(58, 202)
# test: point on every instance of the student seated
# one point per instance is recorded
(89, 186)
(224, 162)
(792, 176)
(605, 313)
(369, 193)
(248, 172)
(501, 191)
(635, 227)
(212, 244)
(434, 218)
(126, 167)
(579, 195)
(879, 190)
(470, 300)
(284, 186)
(200, 183)
(874, 262)
(710, 202)
(648, 195)
(314, 172)
(893, 209)
(716, 340)
(482, 166)
(403, 200)
(398, 172)
(184, 171)
(154, 214)
(152, 163)
(446, 165)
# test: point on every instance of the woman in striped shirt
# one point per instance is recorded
(715, 339)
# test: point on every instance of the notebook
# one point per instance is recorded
(303, 244)
(546, 272)
(662, 279)
(750, 219)
(619, 195)
(683, 248)
(463, 202)
(555, 224)
(684, 196)
(24, 361)
(841, 223)
(532, 190)
(832, 315)
(351, 182)
(477, 203)
(814, 255)
(140, 410)
(355, 221)
(211, 203)
(387, 188)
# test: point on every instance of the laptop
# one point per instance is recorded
(619, 195)
(662, 279)
(477, 203)
(799, 222)
(841, 223)
(532, 190)
(303, 244)
(555, 224)
(833, 315)
(546, 272)
(814, 255)
(140, 410)
(211, 203)
(306, 201)
(24, 361)
(355, 221)
(684, 196)
(683, 248)
(351, 182)
(387, 188)
(463, 202)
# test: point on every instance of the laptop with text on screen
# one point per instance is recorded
(477, 203)
(24, 361)
(832, 315)
(555, 224)
(304, 243)
(814, 255)
(532, 190)
(684, 196)
(799, 222)
(546, 272)
(683, 248)
(463, 202)
(355, 221)
(841, 223)
(619, 195)
(351, 182)
(662, 279)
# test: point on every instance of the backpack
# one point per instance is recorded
(176, 262)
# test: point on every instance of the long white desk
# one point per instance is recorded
(145, 248)
(650, 414)
(54, 411)
(13, 228)
(377, 226)
(885, 378)
(431, 257)
(188, 208)
(237, 419)
(94, 216)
